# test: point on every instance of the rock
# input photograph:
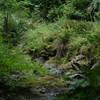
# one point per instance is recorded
(16, 75)
(56, 71)
(74, 65)
(53, 66)
(84, 50)
(80, 61)
(38, 90)
(52, 81)
(77, 76)
(52, 63)
(78, 58)
(40, 60)
(77, 63)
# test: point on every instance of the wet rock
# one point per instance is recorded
(50, 91)
(78, 58)
(56, 71)
(78, 63)
(35, 92)
(51, 81)
(16, 75)
(77, 76)
(53, 66)
(52, 63)
(40, 60)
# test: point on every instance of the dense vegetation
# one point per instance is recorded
(35, 34)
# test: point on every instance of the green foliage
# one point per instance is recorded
(79, 10)
(16, 31)
(84, 89)
(45, 6)
(73, 9)
(12, 61)
(13, 24)
(46, 39)
(25, 33)
(40, 39)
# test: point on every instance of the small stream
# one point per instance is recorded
(26, 96)
(32, 97)
(29, 93)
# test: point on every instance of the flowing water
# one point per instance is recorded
(29, 94)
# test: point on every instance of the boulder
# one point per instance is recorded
(76, 64)
(56, 71)
(52, 63)
(40, 60)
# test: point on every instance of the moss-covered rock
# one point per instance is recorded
(78, 63)
(50, 81)
(84, 50)
(52, 63)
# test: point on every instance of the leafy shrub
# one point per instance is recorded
(15, 32)
(13, 60)
(13, 25)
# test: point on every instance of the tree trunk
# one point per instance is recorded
(6, 29)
